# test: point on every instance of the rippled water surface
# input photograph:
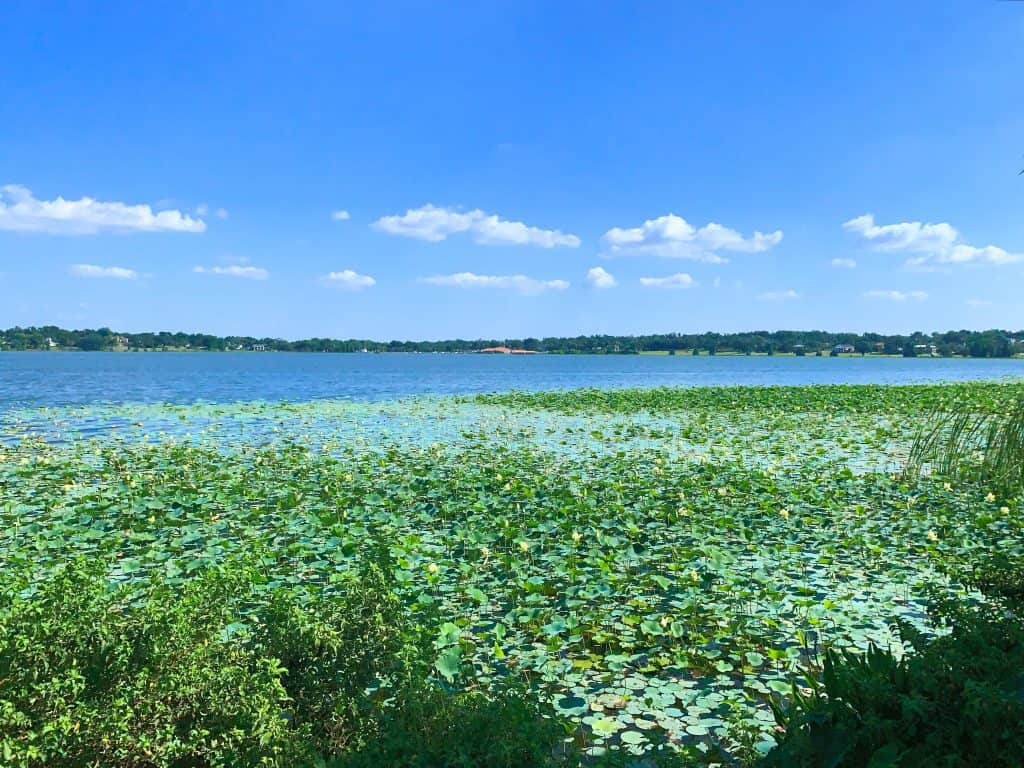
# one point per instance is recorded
(31, 379)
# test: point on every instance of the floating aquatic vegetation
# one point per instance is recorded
(658, 563)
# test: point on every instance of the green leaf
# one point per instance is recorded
(449, 663)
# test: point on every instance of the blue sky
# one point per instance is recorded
(511, 169)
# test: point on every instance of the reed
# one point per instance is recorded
(971, 445)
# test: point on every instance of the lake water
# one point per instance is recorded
(29, 379)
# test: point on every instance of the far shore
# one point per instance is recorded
(643, 353)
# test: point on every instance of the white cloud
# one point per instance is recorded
(897, 295)
(778, 295)
(935, 243)
(979, 303)
(905, 236)
(20, 211)
(221, 213)
(434, 224)
(249, 273)
(91, 270)
(844, 263)
(520, 283)
(678, 280)
(598, 277)
(674, 237)
(341, 216)
(349, 280)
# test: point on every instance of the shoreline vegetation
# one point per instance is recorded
(963, 343)
(667, 577)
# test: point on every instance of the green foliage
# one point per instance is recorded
(909, 400)
(992, 343)
(956, 700)
(95, 677)
(1001, 578)
(430, 728)
(964, 444)
(653, 565)
(227, 673)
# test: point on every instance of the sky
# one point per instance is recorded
(425, 170)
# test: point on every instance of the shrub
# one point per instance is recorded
(431, 728)
(954, 700)
(230, 671)
(93, 676)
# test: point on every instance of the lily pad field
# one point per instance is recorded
(657, 565)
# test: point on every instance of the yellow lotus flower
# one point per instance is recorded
(432, 568)
(694, 576)
(948, 486)
(524, 546)
(784, 514)
(485, 552)
(1004, 510)
(723, 491)
(576, 536)
(933, 536)
(990, 497)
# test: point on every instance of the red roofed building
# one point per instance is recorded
(505, 351)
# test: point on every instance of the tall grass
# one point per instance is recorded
(967, 445)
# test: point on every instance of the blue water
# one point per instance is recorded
(29, 379)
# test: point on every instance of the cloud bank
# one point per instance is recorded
(933, 243)
(600, 278)
(235, 270)
(92, 270)
(678, 280)
(349, 280)
(674, 237)
(434, 224)
(20, 211)
(519, 283)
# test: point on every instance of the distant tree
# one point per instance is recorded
(92, 342)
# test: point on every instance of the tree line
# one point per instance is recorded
(990, 343)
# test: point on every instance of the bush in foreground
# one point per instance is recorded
(954, 701)
(231, 672)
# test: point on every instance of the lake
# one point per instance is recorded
(29, 379)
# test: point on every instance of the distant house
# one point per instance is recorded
(50, 343)
(258, 347)
(843, 349)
